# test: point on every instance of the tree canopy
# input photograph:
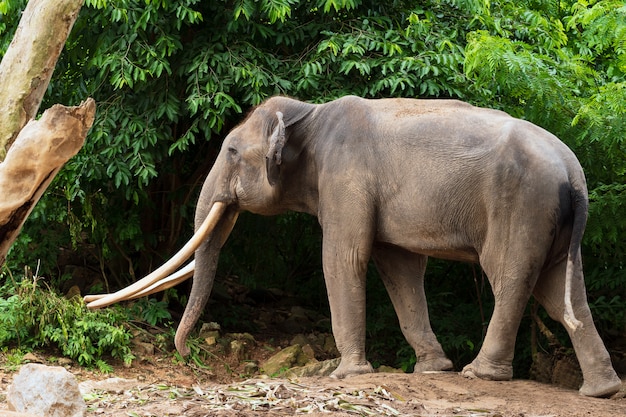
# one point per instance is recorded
(172, 77)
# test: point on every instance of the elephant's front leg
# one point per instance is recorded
(402, 273)
(345, 256)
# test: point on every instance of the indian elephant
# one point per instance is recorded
(397, 181)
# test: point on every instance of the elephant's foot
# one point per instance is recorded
(347, 368)
(603, 385)
(430, 365)
(486, 369)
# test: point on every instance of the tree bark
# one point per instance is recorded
(27, 66)
(32, 152)
(39, 152)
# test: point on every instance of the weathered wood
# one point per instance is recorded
(42, 147)
(31, 153)
(29, 61)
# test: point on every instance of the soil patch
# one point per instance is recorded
(160, 387)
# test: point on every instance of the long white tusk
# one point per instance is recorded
(161, 285)
(93, 297)
(166, 269)
(167, 282)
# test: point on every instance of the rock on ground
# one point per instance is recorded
(285, 359)
(323, 368)
(49, 391)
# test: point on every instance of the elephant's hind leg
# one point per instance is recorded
(511, 282)
(600, 379)
(494, 361)
(402, 273)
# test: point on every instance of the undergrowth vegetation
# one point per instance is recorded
(32, 316)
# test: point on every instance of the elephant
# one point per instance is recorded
(396, 181)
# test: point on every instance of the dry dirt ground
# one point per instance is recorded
(157, 386)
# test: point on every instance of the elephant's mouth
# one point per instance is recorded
(167, 275)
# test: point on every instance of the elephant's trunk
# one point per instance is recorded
(206, 259)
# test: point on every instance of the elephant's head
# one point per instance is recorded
(249, 174)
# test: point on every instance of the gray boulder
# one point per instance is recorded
(49, 391)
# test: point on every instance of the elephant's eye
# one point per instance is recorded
(232, 151)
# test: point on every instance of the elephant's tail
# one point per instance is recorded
(580, 205)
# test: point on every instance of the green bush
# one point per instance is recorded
(33, 316)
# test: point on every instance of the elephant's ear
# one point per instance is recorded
(273, 158)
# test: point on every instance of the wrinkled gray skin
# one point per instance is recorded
(396, 181)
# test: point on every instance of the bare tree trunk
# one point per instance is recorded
(29, 61)
(32, 152)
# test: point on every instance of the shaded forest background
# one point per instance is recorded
(171, 78)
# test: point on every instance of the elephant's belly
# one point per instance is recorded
(457, 254)
(437, 244)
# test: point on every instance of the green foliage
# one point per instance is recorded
(32, 316)
(377, 56)
(151, 311)
(10, 13)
